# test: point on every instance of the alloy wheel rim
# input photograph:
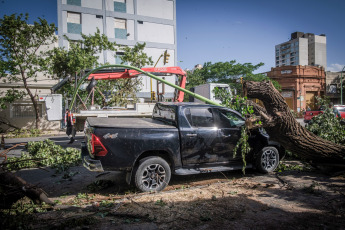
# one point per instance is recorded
(153, 176)
(269, 159)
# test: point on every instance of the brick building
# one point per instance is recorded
(300, 85)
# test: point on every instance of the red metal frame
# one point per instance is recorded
(128, 73)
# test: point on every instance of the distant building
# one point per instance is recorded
(333, 86)
(197, 66)
(126, 22)
(302, 49)
(300, 85)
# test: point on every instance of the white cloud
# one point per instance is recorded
(335, 67)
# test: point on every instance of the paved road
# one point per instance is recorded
(59, 140)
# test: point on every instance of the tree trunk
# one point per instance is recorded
(33, 99)
(282, 126)
(13, 188)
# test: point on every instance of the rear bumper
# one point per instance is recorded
(88, 162)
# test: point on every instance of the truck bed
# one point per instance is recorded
(127, 123)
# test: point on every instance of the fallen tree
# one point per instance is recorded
(282, 126)
(40, 154)
(14, 188)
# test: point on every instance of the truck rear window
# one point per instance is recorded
(165, 113)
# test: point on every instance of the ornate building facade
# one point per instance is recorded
(300, 85)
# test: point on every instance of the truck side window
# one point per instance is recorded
(200, 117)
(229, 119)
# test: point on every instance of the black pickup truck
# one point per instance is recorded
(180, 138)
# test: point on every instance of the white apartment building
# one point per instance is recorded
(126, 22)
(302, 49)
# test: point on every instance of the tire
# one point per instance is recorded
(152, 174)
(267, 160)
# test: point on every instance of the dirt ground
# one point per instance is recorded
(291, 199)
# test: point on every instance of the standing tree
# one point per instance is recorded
(226, 72)
(128, 87)
(23, 55)
(81, 55)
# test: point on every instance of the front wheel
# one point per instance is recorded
(153, 174)
(267, 160)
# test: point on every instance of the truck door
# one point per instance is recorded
(229, 125)
(200, 139)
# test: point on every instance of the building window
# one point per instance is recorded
(332, 88)
(118, 58)
(120, 6)
(24, 110)
(120, 28)
(74, 2)
(73, 23)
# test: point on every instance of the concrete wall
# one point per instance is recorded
(320, 51)
(41, 87)
(303, 51)
(156, 8)
(27, 122)
(153, 32)
(93, 4)
(90, 24)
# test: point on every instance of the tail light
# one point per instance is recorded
(98, 148)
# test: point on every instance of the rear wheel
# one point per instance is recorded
(267, 160)
(152, 174)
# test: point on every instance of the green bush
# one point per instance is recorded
(327, 125)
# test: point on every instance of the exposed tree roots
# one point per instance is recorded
(282, 126)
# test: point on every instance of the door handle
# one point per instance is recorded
(191, 135)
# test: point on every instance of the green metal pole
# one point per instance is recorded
(197, 96)
(341, 86)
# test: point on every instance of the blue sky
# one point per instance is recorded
(241, 30)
